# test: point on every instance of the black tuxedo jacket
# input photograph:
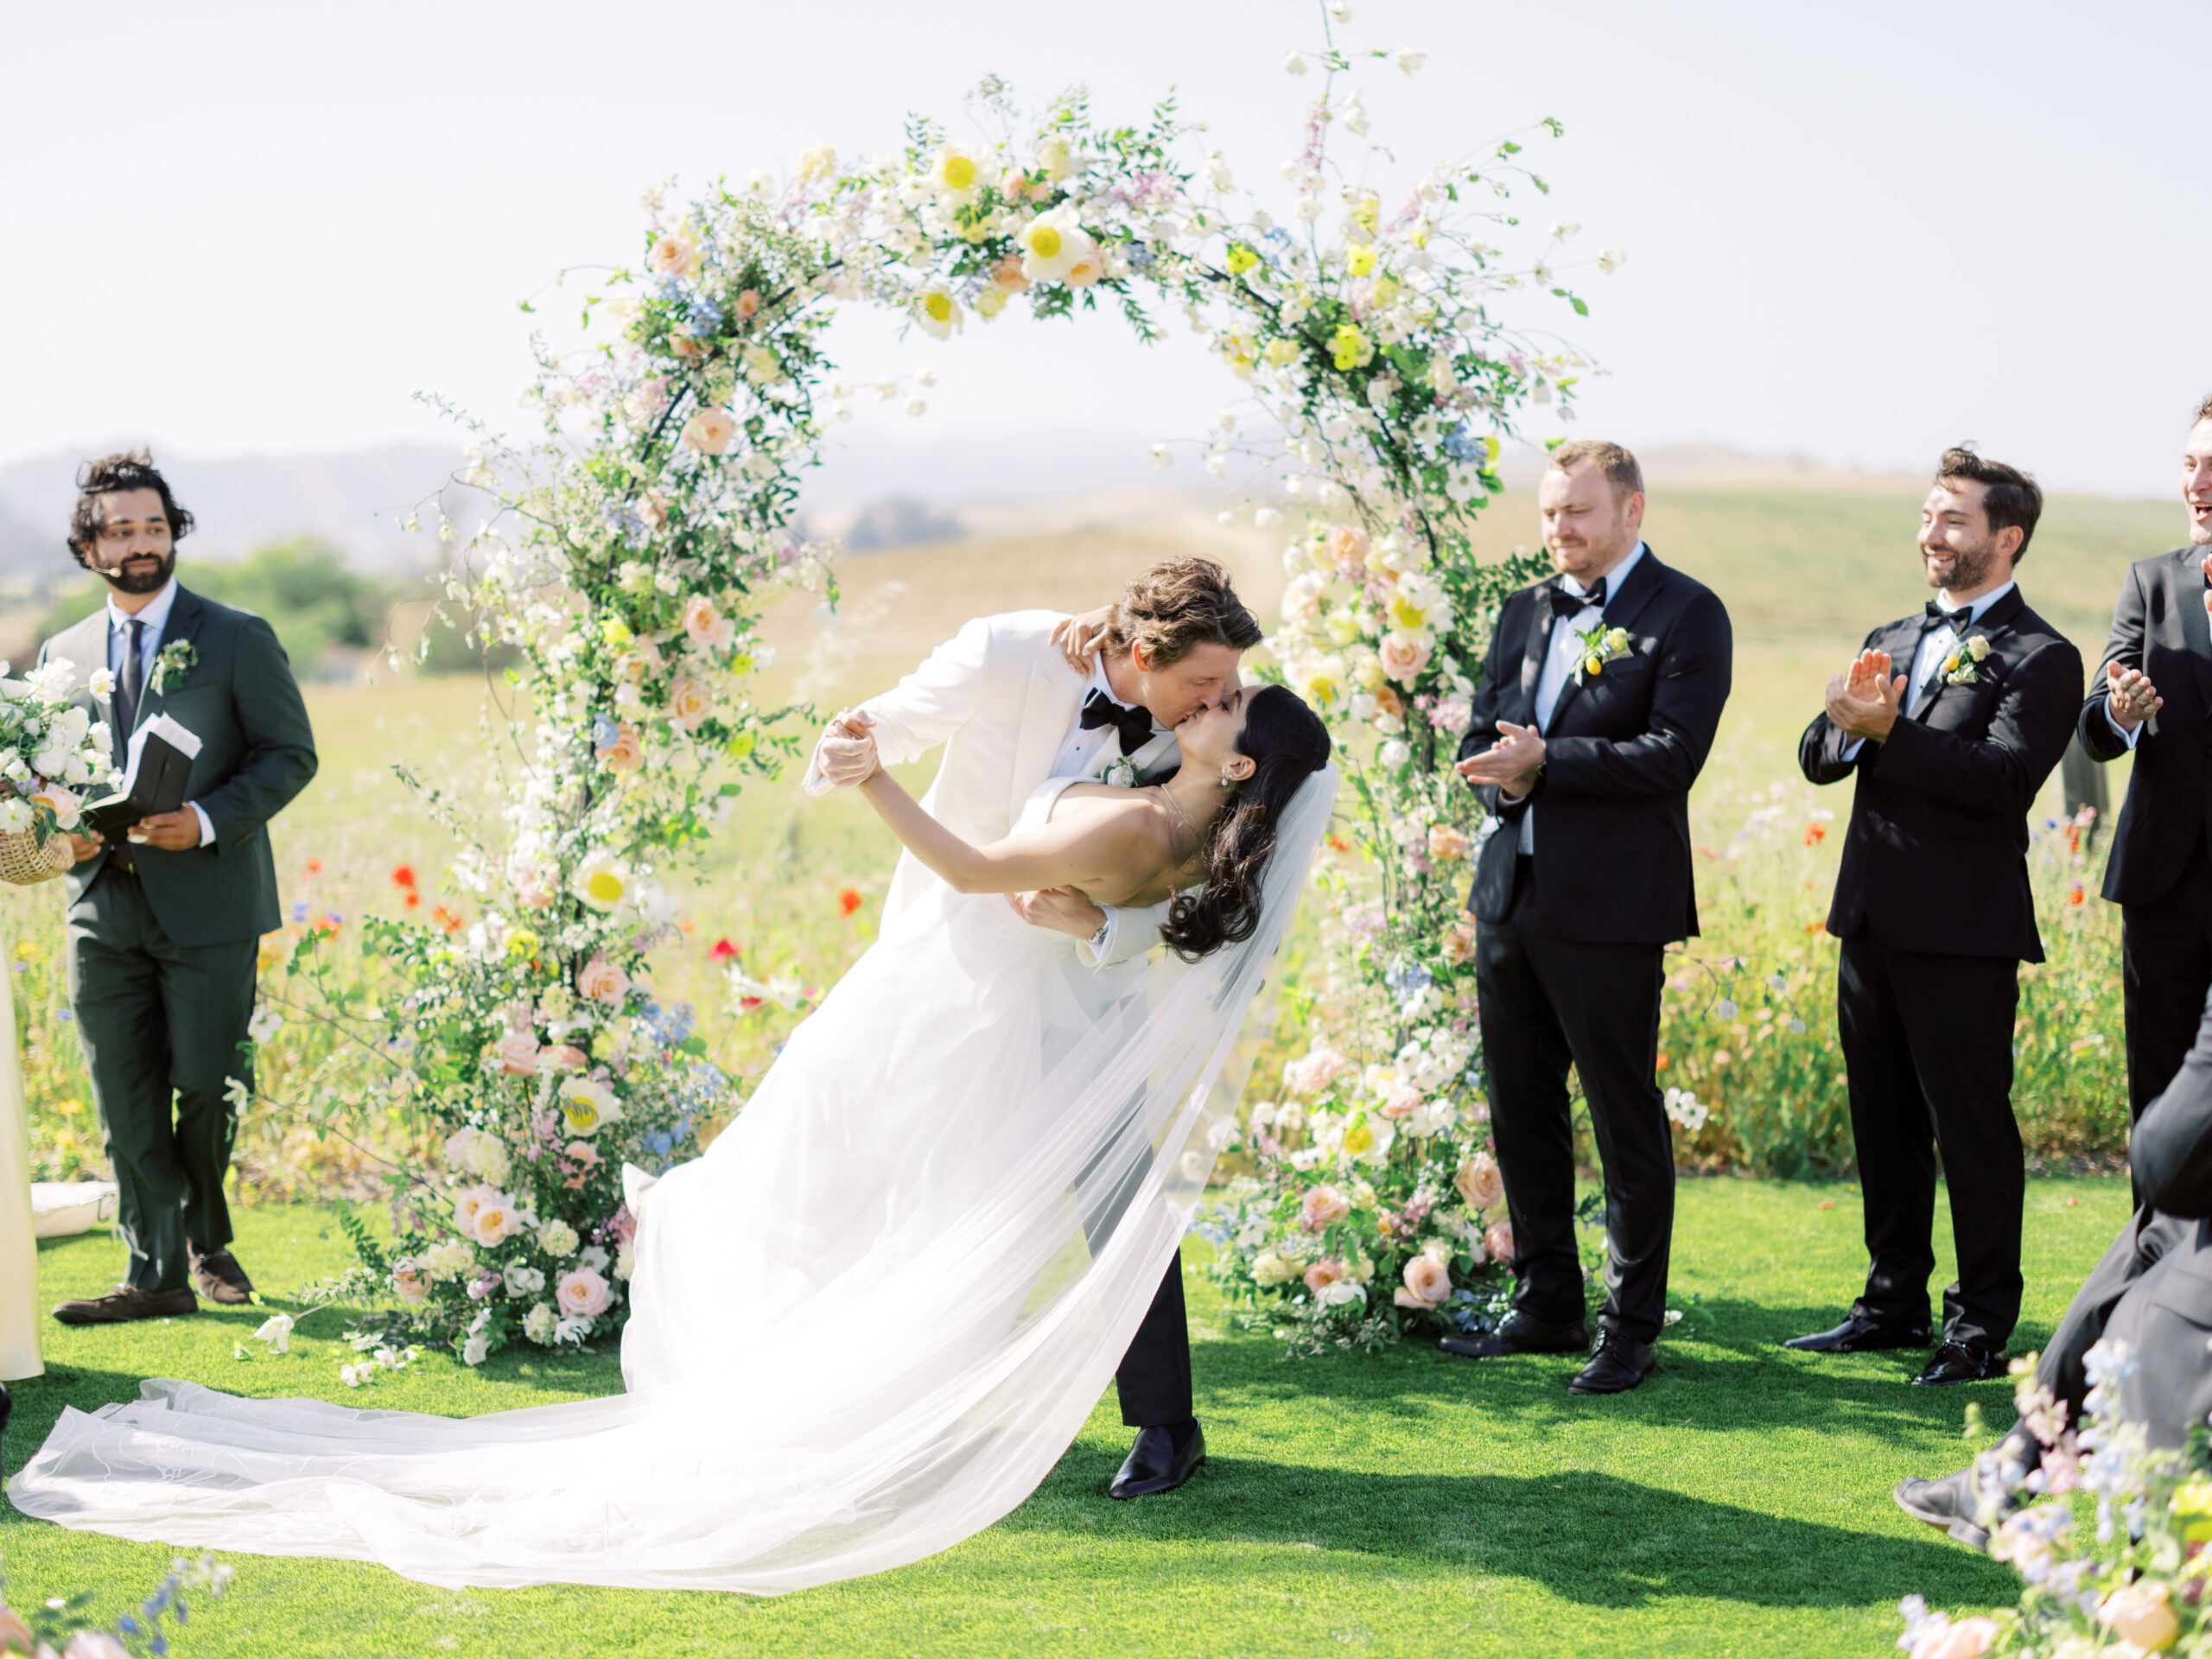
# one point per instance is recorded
(2159, 628)
(1935, 858)
(1612, 842)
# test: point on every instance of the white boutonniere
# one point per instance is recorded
(1122, 774)
(1963, 666)
(1600, 646)
(176, 659)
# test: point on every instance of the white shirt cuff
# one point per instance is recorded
(207, 829)
(1095, 951)
(2126, 734)
(1850, 750)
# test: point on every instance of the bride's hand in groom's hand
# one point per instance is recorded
(848, 749)
(1060, 910)
(1081, 638)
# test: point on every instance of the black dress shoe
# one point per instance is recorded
(1162, 1459)
(1961, 1361)
(1519, 1333)
(7, 1405)
(1618, 1365)
(1950, 1504)
(218, 1276)
(1860, 1334)
(125, 1303)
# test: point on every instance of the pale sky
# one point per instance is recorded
(1856, 233)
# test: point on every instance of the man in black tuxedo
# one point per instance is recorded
(2152, 1290)
(1933, 909)
(1597, 706)
(2153, 695)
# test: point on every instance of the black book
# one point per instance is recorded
(160, 771)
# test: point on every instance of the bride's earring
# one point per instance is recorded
(1227, 782)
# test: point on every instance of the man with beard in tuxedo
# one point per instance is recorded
(2152, 693)
(1950, 721)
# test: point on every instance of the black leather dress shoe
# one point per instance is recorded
(7, 1405)
(1860, 1334)
(1518, 1333)
(1959, 1362)
(1162, 1459)
(1618, 1365)
(1950, 1504)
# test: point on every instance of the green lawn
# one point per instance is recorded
(1406, 1504)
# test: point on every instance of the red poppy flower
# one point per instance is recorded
(1815, 834)
(722, 950)
(403, 876)
(848, 901)
(314, 866)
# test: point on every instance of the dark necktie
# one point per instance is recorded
(1958, 620)
(1134, 724)
(1566, 604)
(132, 686)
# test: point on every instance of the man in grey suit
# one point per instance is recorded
(165, 924)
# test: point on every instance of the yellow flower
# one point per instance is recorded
(522, 944)
(1593, 665)
(954, 171)
(1351, 347)
(1951, 663)
(1359, 1136)
(1241, 258)
(1361, 260)
(615, 633)
(1282, 351)
(739, 747)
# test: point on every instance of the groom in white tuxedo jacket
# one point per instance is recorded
(1012, 710)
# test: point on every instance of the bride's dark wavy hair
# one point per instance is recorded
(1287, 744)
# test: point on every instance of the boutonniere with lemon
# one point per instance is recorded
(1600, 646)
(176, 660)
(1963, 665)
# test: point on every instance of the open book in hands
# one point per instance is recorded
(155, 781)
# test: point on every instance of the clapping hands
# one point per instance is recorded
(1864, 700)
(1511, 763)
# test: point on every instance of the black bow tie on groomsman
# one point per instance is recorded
(1958, 620)
(1566, 604)
(1134, 724)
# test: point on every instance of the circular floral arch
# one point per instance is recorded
(639, 541)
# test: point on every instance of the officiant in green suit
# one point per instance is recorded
(165, 921)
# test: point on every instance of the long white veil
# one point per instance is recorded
(867, 1324)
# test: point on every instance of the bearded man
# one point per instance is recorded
(1934, 912)
(164, 926)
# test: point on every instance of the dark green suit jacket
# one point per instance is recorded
(257, 751)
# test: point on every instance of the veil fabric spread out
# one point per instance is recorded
(866, 1324)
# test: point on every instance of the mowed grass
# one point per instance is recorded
(1409, 1503)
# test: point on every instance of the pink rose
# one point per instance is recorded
(583, 1295)
(710, 431)
(1498, 1237)
(1460, 943)
(1399, 1099)
(602, 981)
(561, 1056)
(1428, 1283)
(1482, 1185)
(701, 618)
(1970, 1636)
(748, 304)
(518, 1054)
(1346, 549)
(1404, 656)
(1322, 1274)
(408, 1282)
(671, 256)
(626, 753)
(2136, 1612)
(687, 705)
(466, 1205)
(1320, 1206)
(1007, 274)
(1090, 266)
(1447, 844)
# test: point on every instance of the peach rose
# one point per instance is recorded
(14, 1636)
(65, 805)
(1346, 549)
(1399, 1099)
(1447, 844)
(1481, 1185)
(517, 1052)
(652, 507)
(2135, 1612)
(1970, 1636)
(561, 1056)
(626, 753)
(672, 256)
(466, 1204)
(701, 618)
(583, 1295)
(1428, 1283)
(602, 981)
(688, 703)
(1387, 702)
(1460, 943)
(710, 431)
(1007, 274)
(496, 1220)
(408, 1282)
(1404, 656)
(1322, 1274)
(1090, 266)
(1498, 1238)
(748, 304)
(1320, 1206)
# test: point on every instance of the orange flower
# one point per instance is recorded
(414, 901)
(314, 866)
(2076, 896)
(1813, 930)
(447, 920)
(1339, 842)
(848, 901)
(403, 876)
(1815, 834)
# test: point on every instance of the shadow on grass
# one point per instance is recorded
(1591, 1538)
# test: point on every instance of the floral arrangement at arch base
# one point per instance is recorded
(638, 540)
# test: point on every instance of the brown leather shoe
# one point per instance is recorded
(218, 1276)
(124, 1303)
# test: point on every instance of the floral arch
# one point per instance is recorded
(638, 541)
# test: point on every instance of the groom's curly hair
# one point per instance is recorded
(1287, 744)
(128, 469)
(1176, 606)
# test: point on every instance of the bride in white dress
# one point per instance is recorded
(870, 1319)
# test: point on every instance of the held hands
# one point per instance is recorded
(1511, 763)
(847, 750)
(2131, 697)
(1081, 638)
(1863, 701)
(170, 831)
(1058, 909)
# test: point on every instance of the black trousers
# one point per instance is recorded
(1928, 1042)
(1549, 1003)
(2165, 958)
(1154, 1378)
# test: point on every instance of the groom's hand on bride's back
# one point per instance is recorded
(1061, 910)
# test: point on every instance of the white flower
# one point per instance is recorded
(1053, 244)
(522, 1280)
(53, 681)
(1409, 60)
(353, 1375)
(556, 1239)
(602, 881)
(937, 312)
(1162, 455)
(265, 1024)
(625, 1258)
(1562, 229)
(1217, 174)
(1612, 259)
(15, 815)
(475, 1349)
(588, 1107)
(1293, 63)
(277, 1332)
(1339, 1292)
(1354, 116)
(1339, 11)
(538, 1325)
(102, 684)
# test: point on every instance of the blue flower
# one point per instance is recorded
(604, 732)
(705, 316)
(300, 911)
(64, 1015)
(1461, 444)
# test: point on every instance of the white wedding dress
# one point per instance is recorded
(867, 1323)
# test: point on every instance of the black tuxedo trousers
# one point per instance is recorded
(2166, 956)
(1928, 1045)
(1547, 1003)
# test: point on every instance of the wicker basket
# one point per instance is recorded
(24, 863)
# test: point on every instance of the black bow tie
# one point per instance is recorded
(1134, 724)
(1566, 604)
(1958, 620)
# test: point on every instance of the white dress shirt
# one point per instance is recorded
(155, 616)
(1086, 753)
(1564, 653)
(1936, 645)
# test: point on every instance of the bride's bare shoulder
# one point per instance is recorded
(1109, 815)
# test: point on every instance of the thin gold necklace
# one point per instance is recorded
(1181, 817)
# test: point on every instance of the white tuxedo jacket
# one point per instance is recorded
(1000, 697)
